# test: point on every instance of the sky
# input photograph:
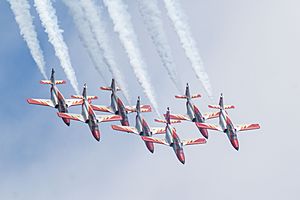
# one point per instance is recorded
(251, 53)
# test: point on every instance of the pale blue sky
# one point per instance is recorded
(251, 53)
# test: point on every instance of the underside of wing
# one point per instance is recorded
(208, 126)
(102, 108)
(155, 140)
(179, 117)
(73, 102)
(247, 127)
(194, 141)
(161, 130)
(127, 129)
(42, 102)
(143, 108)
(211, 115)
(108, 118)
(77, 117)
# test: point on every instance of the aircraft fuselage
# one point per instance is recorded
(144, 130)
(174, 141)
(59, 101)
(90, 118)
(228, 128)
(119, 109)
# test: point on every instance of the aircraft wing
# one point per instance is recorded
(211, 115)
(161, 130)
(247, 127)
(195, 141)
(108, 118)
(73, 102)
(102, 108)
(209, 126)
(127, 129)
(179, 117)
(155, 140)
(164, 121)
(77, 117)
(42, 102)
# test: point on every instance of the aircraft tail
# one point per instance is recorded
(187, 94)
(52, 80)
(112, 88)
(167, 119)
(138, 106)
(221, 105)
(84, 94)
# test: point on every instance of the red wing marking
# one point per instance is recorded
(158, 130)
(155, 140)
(164, 121)
(229, 106)
(194, 141)
(196, 96)
(45, 82)
(208, 126)
(42, 102)
(180, 96)
(146, 108)
(74, 102)
(179, 117)
(214, 106)
(211, 115)
(108, 118)
(77, 117)
(102, 108)
(125, 129)
(247, 127)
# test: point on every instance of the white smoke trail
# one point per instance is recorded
(49, 20)
(151, 15)
(187, 41)
(98, 28)
(123, 26)
(86, 35)
(21, 10)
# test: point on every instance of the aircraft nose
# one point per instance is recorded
(150, 146)
(125, 123)
(180, 156)
(204, 132)
(96, 134)
(67, 121)
(235, 144)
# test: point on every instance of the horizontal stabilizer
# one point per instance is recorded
(73, 102)
(81, 97)
(127, 129)
(108, 118)
(50, 82)
(144, 108)
(247, 127)
(41, 102)
(102, 108)
(155, 140)
(219, 107)
(77, 117)
(164, 121)
(208, 126)
(109, 88)
(211, 115)
(186, 97)
(195, 141)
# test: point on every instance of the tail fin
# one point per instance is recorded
(187, 94)
(221, 105)
(84, 94)
(52, 80)
(138, 106)
(167, 119)
(112, 87)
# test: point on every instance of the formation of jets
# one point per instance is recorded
(119, 112)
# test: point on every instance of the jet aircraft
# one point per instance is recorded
(117, 106)
(57, 99)
(141, 128)
(88, 115)
(226, 124)
(172, 139)
(193, 113)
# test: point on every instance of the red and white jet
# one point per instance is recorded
(172, 139)
(57, 99)
(227, 125)
(88, 115)
(193, 113)
(117, 106)
(141, 128)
